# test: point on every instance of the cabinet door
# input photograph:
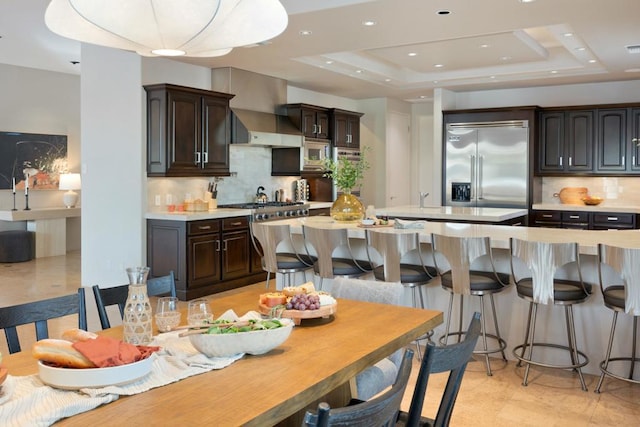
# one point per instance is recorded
(204, 260)
(611, 140)
(340, 130)
(551, 142)
(308, 122)
(579, 141)
(216, 134)
(235, 254)
(184, 134)
(634, 140)
(322, 122)
(354, 131)
(167, 251)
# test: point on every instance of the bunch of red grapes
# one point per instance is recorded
(304, 302)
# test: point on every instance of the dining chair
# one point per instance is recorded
(467, 268)
(39, 312)
(621, 294)
(451, 358)
(548, 273)
(279, 253)
(117, 295)
(335, 255)
(374, 379)
(382, 410)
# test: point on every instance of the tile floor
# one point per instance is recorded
(552, 398)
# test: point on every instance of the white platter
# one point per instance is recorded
(75, 379)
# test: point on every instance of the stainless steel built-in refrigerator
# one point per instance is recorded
(486, 164)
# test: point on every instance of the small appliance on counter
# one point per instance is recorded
(301, 190)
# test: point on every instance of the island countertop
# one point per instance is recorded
(452, 213)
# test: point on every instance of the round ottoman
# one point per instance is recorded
(17, 245)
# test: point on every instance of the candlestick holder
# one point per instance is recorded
(26, 202)
(14, 202)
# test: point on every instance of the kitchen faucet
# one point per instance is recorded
(422, 197)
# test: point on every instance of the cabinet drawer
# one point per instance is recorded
(547, 216)
(615, 220)
(204, 227)
(236, 223)
(580, 217)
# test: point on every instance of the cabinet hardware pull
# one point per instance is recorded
(319, 128)
(315, 128)
(225, 246)
(217, 245)
(612, 218)
(236, 223)
(197, 161)
(570, 161)
(560, 161)
(204, 227)
(547, 216)
(574, 216)
(205, 156)
(622, 160)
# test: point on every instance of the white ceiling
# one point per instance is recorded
(481, 44)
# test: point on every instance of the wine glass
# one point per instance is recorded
(167, 315)
(199, 312)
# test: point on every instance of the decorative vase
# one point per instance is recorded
(347, 208)
(137, 320)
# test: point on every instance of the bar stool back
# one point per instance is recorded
(539, 283)
(458, 278)
(623, 296)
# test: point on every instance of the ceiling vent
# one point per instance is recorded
(633, 48)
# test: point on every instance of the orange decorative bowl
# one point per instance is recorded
(592, 200)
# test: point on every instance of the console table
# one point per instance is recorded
(50, 226)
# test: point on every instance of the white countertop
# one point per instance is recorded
(40, 213)
(453, 213)
(602, 207)
(194, 216)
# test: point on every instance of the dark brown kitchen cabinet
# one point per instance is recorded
(634, 139)
(584, 220)
(206, 256)
(313, 121)
(345, 128)
(566, 142)
(188, 131)
(613, 144)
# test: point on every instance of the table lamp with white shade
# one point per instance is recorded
(70, 182)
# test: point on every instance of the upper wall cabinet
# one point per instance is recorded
(345, 128)
(312, 121)
(188, 131)
(565, 142)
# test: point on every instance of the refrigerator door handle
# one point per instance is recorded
(480, 162)
(472, 159)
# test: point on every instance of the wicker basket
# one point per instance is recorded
(572, 195)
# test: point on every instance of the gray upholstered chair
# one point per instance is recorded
(548, 273)
(621, 296)
(375, 378)
(466, 267)
(279, 252)
(335, 256)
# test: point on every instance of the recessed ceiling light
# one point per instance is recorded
(568, 34)
(305, 32)
(423, 96)
(369, 23)
(387, 80)
(358, 71)
(438, 65)
(581, 49)
(554, 71)
(492, 77)
(505, 58)
(632, 70)
(412, 54)
(484, 46)
(328, 62)
(526, 1)
(436, 81)
(592, 61)
(443, 12)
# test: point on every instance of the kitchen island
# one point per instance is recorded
(456, 214)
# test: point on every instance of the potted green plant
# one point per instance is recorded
(346, 175)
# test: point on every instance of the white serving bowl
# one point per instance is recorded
(367, 221)
(75, 379)
(253, 342)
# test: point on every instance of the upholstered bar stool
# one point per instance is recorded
(457, 277)
(279, 252)
(334, 253)
(621, 296)
(548, 273)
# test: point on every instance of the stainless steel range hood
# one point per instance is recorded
(264, 129)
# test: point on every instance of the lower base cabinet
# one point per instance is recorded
(206, 256)
(585, 220)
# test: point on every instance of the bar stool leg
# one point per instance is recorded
(268, 278)
(446, 335)
(633, 355)
(526, 335)
(533, 332)
(605, 364)
(574, 351)
(460, 317)
(484, 337)
(495, 322)
(571, 345)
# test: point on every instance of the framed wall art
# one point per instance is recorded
(37, 157)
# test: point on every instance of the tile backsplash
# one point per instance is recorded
(617, 191)
(251, 167)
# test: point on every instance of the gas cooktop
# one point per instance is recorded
(255, 205)
(270, 211)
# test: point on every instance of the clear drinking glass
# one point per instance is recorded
(167, 315)
(199, 312)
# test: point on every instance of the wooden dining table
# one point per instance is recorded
(319, 358)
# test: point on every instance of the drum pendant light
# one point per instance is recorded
(196, 28)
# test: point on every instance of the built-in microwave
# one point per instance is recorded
(314, 154)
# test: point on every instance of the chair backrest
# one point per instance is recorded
(367, 290)
(393, 247)
(38, 312)
(449, 358)
(117, 295)
(273, 238)
(626, 263)
(543, 260)
(382, 410)
(325, 241)
(460, 253)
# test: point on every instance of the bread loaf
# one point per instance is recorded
(60, 353)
